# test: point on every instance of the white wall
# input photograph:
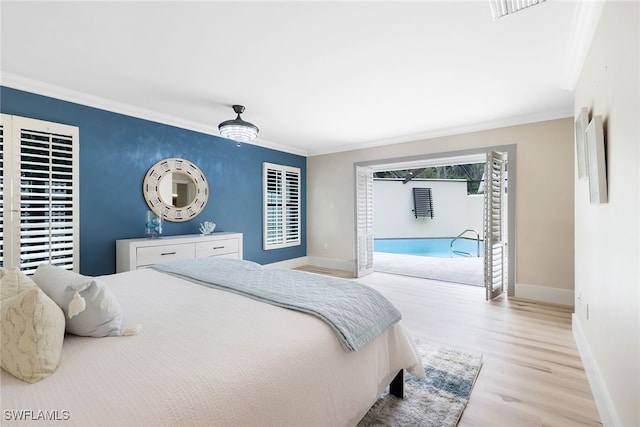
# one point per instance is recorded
(543, 205)
(454, 209)
(607, 236)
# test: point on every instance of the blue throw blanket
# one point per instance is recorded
(355, 312)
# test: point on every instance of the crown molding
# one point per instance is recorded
(585, 21)
(561, 113)
(57, 92)
(45, 89)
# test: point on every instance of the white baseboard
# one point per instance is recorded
(605, 406)
(545, 294)
(290, 263)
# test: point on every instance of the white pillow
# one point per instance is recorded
(100, 314)
(32, 335)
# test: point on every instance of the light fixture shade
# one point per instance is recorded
(238, 129)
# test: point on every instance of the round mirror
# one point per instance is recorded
(175, 189)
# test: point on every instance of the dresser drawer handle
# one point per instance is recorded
(218, 247)
(168, 253)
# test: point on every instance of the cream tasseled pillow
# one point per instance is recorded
(32, 334)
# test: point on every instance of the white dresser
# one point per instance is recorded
(132, 254)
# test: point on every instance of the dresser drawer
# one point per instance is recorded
(157, 254)
(140, 253)
(218, 247)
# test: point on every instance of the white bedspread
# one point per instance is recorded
(210, 358)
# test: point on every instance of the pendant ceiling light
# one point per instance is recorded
(237, 129)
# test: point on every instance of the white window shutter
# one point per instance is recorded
(5, 173)
(40, 195)
(364, 221)
(292, 214)
(282, 209)
(494, 236)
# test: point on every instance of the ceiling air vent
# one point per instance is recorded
(501, 8)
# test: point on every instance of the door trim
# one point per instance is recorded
(432, 158)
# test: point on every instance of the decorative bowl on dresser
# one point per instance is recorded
(132, 254)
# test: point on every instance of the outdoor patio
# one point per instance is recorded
(469, 271)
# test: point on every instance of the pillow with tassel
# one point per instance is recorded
(90, 308)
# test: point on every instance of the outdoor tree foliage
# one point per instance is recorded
(472, 173)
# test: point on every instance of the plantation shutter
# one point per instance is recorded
(494, 236)
(282, 211)
(364, 221)
(292, 213)
(40, 195)
(5, 171)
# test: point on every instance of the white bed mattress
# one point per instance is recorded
(209, 357)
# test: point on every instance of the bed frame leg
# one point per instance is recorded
(396, 387)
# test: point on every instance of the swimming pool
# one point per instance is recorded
(439, 247)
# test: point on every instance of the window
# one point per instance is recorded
(281, 199)
(38, 194)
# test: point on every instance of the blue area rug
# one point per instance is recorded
(437, 400)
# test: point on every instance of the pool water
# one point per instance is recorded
(432, 247)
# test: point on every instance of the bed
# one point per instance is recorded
(207, 356)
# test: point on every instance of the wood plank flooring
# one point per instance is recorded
(532, 374)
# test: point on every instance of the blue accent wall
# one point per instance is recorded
(117, 150)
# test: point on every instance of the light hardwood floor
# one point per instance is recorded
(532, 374)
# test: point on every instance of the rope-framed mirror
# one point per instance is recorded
(175, 189)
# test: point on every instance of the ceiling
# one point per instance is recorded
(315, 77)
